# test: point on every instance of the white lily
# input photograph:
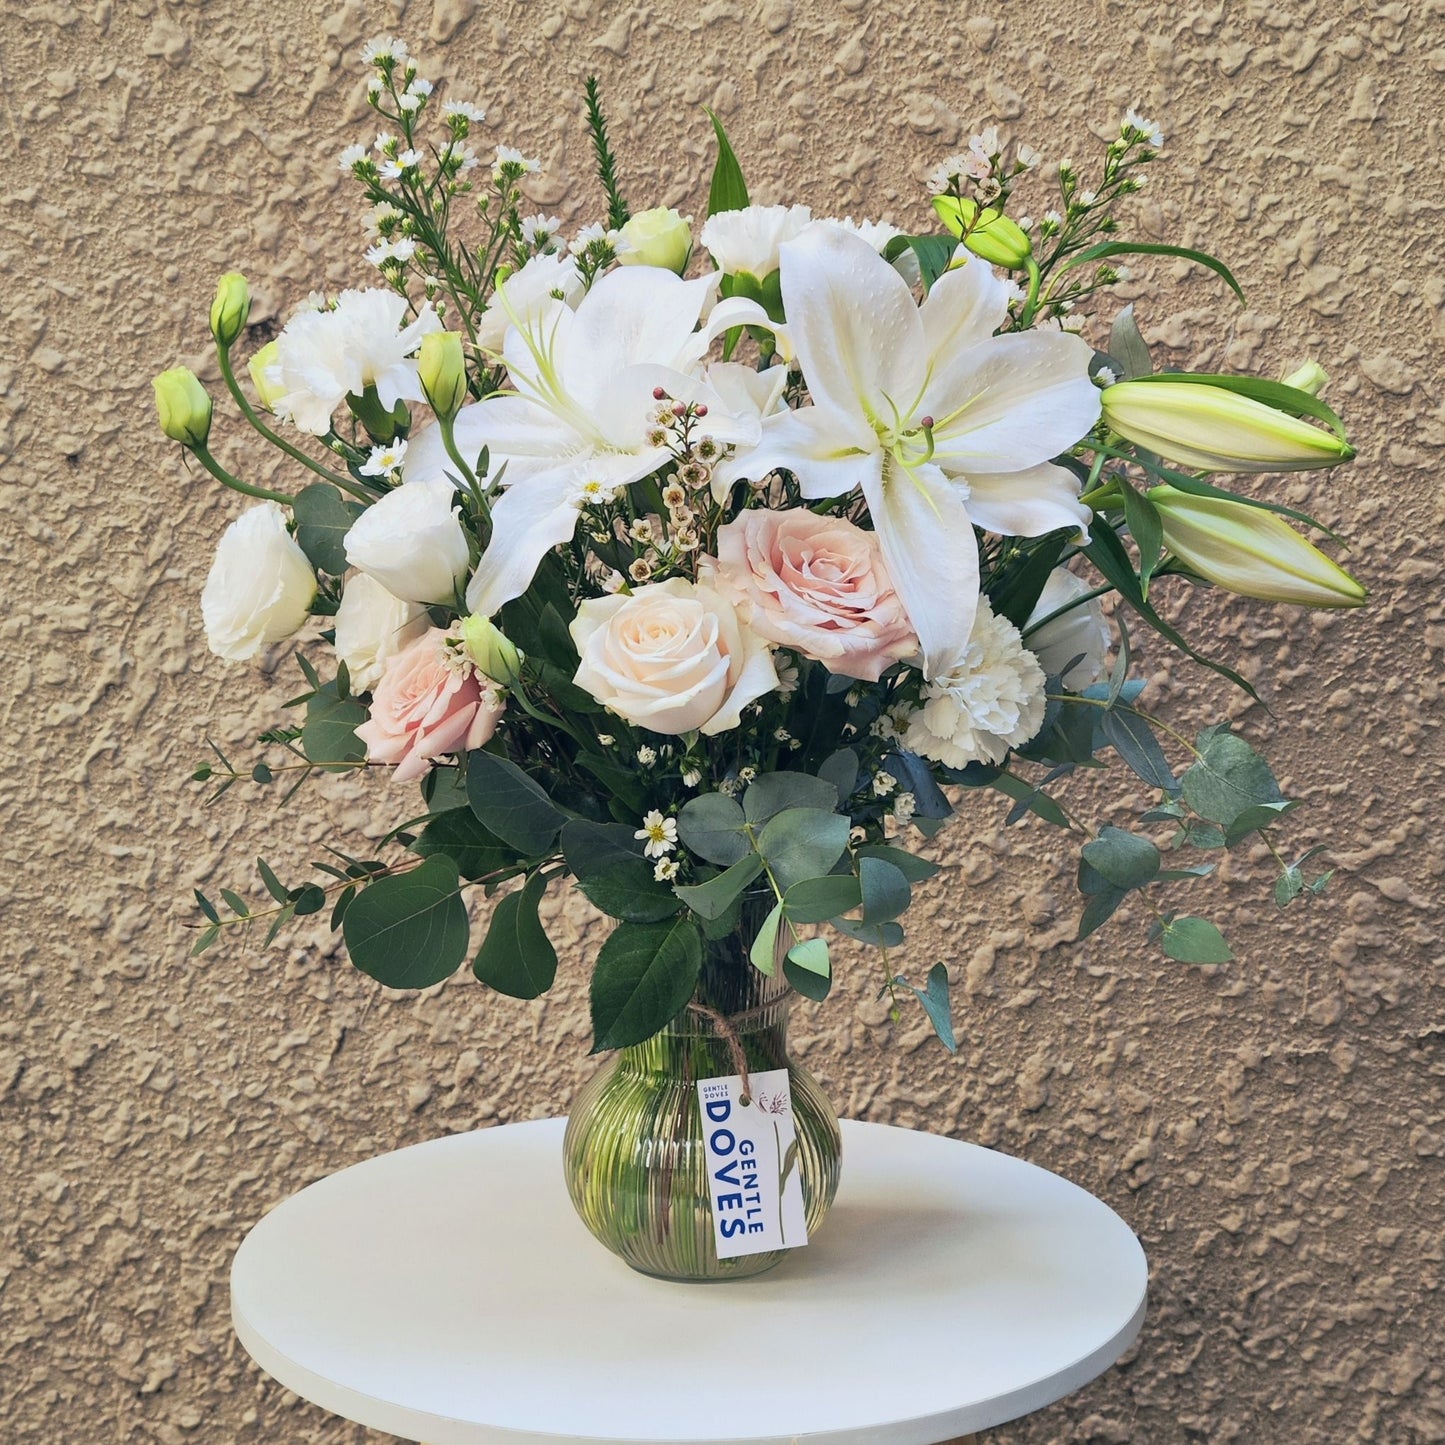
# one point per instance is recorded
(878, 368)
(577, 427)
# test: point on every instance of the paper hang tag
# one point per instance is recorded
(752, 1164)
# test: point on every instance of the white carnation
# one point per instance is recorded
(372, 626)
(877, 233)
(260, 588)
(322, 357)
(412, 542)
(748, 241)
(988, 699)
(1082, 632)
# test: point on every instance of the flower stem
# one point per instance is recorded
(203, 455)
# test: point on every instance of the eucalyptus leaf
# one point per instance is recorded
(841, 770)
(1195, 940)
(409, 930)
(885, 889)
(772, 793)
(815, 900)
(1124, 859)
(644, 975)
(876, 935)
(763, 952)
(328, 736)
(711, 825)
(1134, 740)
(937, 1004)
(912, 867)
(802, 843)
(808, 969)
(516, 957)
(712, 899)
(323, 518)
(1228, 778)
(1100, 908)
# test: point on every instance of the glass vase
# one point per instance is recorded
(634, 1154)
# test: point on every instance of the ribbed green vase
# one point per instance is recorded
(634, 1155)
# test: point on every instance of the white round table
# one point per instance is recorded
(447, 1293)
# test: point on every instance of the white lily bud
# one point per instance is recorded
(1250, 551)
(495, 655)
(1199, 425)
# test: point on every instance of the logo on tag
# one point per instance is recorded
(752, 1164)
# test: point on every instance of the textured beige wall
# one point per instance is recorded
(1272, 1129)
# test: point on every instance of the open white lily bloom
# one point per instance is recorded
(878, 366)
(578, 426)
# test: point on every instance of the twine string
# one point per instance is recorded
(725, 1027)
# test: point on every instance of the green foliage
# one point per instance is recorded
(1127, 348)
(937, 1004)
(808, 968)
(1105, 250)
(711, 825)
(516, 956)
(476, 852)
(728, 191)
(617, 212)
(409, 930)
(802, 843)
(608, 863)
(644, 976)
(714, 898)
(512, 805)
(323, 518)
(328, 736)
(1194, 940)
(1228, 779)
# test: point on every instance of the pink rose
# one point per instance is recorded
(818, 584)
(430, 701)
(671, 657)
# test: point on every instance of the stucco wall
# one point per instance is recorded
(1272, 1129)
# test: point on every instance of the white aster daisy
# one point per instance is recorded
(351, 157)
(420, 87)
(514, 163)
(472, 114)
(666, 870)
(382, 48)
(660, 832)
(408, 103)
(983, 701)
(540, 231)
(384, 459)
(1147, 130)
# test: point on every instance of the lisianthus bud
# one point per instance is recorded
(1207, 426)
(442, 370)
(1250, 551)
(495, 655)
(992, 235)
(183, 406)
(265, 375)
(230, 308)
(1311, 378)
(659, 237)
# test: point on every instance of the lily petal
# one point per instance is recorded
(966, 306)
(511, 427)
(931, 552)
(1011, 402)
(853, 323)
(830, 453)
(1027, 503)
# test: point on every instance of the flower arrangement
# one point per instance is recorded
(693, 571)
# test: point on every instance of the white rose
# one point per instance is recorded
(1082, 632)
(412, 542)
(260, 587)
(671, 657)
(372, 626)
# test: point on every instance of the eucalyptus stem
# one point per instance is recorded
(203, 455)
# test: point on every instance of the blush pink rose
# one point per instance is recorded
(430, 701)
(817, 584)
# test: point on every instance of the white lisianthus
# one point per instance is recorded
(747, 242)
(412, 542)
(659, 237)
(372, 626)
(1082, 632)
(527, 294)
(260, 588)
(322, 357)
(983, 701)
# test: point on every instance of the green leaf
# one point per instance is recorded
(1228, 778)
(802, 843)
(307, 900)
(457, 833)
(728, 191)
(915, 776)
(1106, 249)
(934, 254)
(808, 969)
(323, 518)
(713, 898)
(913, 868)
(876, 935)
(1251, 820)
(274, 886)
(443, 789)
(279, 922)
(516, 957)
(511, 805)
(1195, 940)
(644, 975)
(1128, 347)
(328, 736)
(1124, 859)
(772, 793)
(764, 947)
(262, 774)
(1100, 908)
(937, 1004)
(612, 871)
(1147, 529)
(841, 770)
(1289, 885)
(1029, 799)
(239, 906)
(343, 902)
(1133, 739)
(711, 826)
(207, 907)
(409, 930)
(208, 936)
(886, 892)
(815, 900)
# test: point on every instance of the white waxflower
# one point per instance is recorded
(905, 805)
(1082, 632)
(984, 700)
(748, 241)
(393, 167)
(526, 295)
(1028, 157)
(883, 784)
(966, 165)
(384, 459)
(691, 776)
(372, 626)
(412, 542)
(646, 755)
(260, 588)
(660, 833)
(472, 114)
(1148, 130)
(322, 357)
(400, 250)
(350, 158)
